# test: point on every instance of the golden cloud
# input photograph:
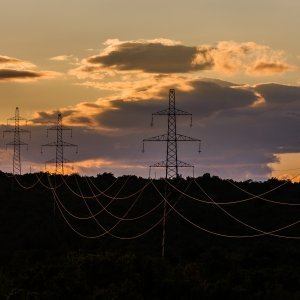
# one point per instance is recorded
(143, 86)
(229, 57)
(162, 56)
(269, 68)
(143, 67)
(110, 114)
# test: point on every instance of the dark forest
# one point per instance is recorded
(42, 257)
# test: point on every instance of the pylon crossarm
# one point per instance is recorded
(163, 112)
(59, 128)
(16, 118)
(161, 164)
(180, 112)
(167, 111)
(184, 138)
(66, 144)
(183, 164)
(54, 144)
(163, 137)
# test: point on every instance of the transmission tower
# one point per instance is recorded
(59, 144)
(171, 164)
(16, 143)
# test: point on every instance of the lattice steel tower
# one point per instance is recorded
(171, 137)
(59, 144)
(16, 143)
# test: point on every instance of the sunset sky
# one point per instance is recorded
(108, 64)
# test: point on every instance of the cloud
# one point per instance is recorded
(7, 62)
(138, 86)
(149, 57)
(161, 56)
(6, 59)
(269, 68)
(278, 93)
(119, 114)
(229, 57)
(240, 139)
(20, 75)
(95, 166)
(64, 57)
(16, 70)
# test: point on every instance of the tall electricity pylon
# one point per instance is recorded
(171, 164)
(59, 144)
(16, 143)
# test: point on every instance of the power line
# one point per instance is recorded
(262, 233)
(106, 231)
(226, 202)
(16, 143)
(117, 217)
(59, 144)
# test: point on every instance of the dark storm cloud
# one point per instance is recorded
(151, 58)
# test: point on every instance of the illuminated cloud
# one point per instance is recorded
(229, 57)
(95, 166)
(152, 57)
(70, 58)
(243, 129)
(143, 86)
(269, 68)
(12, 69)
(115, 115)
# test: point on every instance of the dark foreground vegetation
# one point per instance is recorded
(42, 258)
